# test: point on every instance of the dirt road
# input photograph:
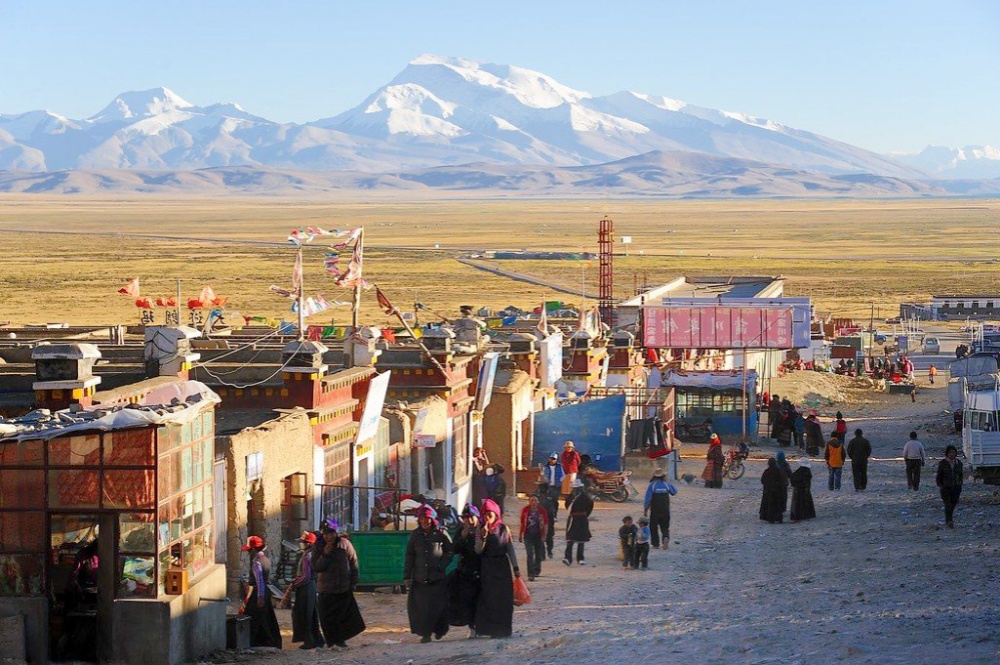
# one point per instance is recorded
(874, 579)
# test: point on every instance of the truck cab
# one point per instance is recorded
(981, 434)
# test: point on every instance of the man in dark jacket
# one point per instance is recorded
(336, 566)
(814, 435)
(949, 479)
(579, 506)
(428, 553)
(859, 450)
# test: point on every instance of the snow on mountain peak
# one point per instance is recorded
(530, 88)
(141, 104)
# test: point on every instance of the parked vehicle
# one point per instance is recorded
(932, 345)
(732, 467)
(981, 435)
(614, 485)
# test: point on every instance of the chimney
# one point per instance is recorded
(65, 375)
(360, 349)
(167, 351)
(303, 373)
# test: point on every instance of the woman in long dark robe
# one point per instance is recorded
(786, 475)
(305, 618)
(579, 505)
(802, 498)
(264, 630)
(428, 553)
(498, 568)
(337, 573)
(463, 582)
(715, 459)
(772, 502)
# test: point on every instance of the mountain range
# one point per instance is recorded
(458, 124)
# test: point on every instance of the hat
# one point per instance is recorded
(804, 461)
(308, 537)
(490, 471)
(330, 525)
(569, 444)
(659, 473)
(554, 456)
(253, 543)
(643, 520)
(840, 415)
(470, 511)
(426, 511)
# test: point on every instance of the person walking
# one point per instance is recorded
(814, 435)
(657, 507)
(786, 476)
(799, 429)
(774, 495)
(498, 568)
(802, 499)
(840, 427)
(428, 553)
(305, 618)
(264, 630)
(534, 529)
(640, 556)
(914, 457)
(464, 581)
(628, 533)
(931, 373)
(496, 487)
(834, 456)
(549, 491)
(859, 449)
(579, 506)
(336, 566)
(712, 475)
(949, 479)
(570, 462)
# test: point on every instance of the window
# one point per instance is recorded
(989, 304)
(255, 467)
(960, 305)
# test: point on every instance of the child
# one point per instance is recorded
(640, 556)
(627, 534)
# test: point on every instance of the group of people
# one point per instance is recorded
(325, 612)
(776, 480)
(791, 426)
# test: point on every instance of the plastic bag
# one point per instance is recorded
(521, 594)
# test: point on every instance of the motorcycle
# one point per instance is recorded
(614, 485)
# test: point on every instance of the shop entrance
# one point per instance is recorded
(82, 589)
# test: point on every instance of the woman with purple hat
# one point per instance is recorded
(336, 566)
(305, 619)
(428, 553)
(463, 583)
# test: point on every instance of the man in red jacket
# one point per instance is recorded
(570, 461)
(534, 529)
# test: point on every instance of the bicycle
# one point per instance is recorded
(732, 466)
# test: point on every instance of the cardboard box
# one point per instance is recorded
(176, 582)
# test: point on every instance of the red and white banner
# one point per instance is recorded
(717, 328)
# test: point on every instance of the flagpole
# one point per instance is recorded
(427, 352)
(298, 296)
(178, 308)
(356, 305)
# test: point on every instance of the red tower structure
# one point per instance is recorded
(606, 279)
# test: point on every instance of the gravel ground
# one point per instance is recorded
(874, 579)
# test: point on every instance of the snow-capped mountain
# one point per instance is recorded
(971, 162)
(436, 112)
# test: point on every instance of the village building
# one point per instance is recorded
(126, 480)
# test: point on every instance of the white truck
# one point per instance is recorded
(981, 434)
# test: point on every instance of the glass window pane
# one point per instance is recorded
(22, 488)
(208, 457)
(129, 489)
(176, 517)
(164, 471)
(131, 447)
(136, 533)
(22, 532)
(136, 577)
(73, 488)
(80, 450)
(201, 551)
(186, 475)
(209, 503)
(197, 470)
(22, 452)
(189, 512)
(21, 575)
(199, 508)
(176, 475)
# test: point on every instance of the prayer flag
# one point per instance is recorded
(130, 289)
(144, 303)
(168, 301)
(383, 302)
(285, 293)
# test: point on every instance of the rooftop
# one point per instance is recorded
(712, 287)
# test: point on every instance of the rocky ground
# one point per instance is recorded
(874, 579)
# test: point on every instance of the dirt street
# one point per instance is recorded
(876, 578)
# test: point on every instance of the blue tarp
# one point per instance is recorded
(596, 427)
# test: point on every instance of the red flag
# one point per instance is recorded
(131, 289)
(389, 335)
(383, 302)
(144, 303)
(169, 301)
(195, 303)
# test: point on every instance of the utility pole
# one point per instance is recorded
(871, 337)
(356, 306)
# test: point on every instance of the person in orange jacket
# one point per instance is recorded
(834, 455)
(931, 373)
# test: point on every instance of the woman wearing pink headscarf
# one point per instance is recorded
(498, 568)
(428, 553)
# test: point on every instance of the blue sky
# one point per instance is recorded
(888, 76)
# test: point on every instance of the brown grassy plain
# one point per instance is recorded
(64, 258)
